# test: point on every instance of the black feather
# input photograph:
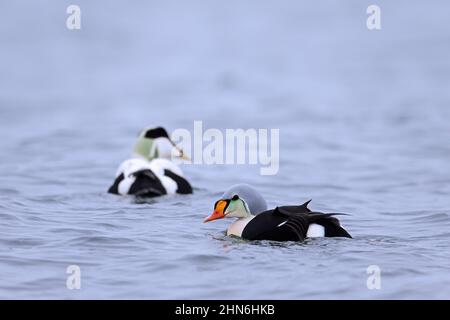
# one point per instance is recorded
(291, 223)
(146, 184)
(183, 186)
(115, 186)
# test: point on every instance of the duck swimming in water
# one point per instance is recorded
(285, 223)
(151, 173)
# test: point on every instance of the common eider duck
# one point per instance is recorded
(151, 173)
(284, 223)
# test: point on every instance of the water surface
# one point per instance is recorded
(364, 129)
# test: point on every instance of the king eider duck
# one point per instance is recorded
(151, 173)
(285, 223)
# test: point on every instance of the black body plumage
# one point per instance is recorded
(291, 223)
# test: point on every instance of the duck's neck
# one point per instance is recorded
(238, 226)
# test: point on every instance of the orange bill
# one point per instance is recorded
(219, 211)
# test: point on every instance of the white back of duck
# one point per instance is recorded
(254, 200)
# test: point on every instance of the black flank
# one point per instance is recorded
(183, 186)
(115, 187)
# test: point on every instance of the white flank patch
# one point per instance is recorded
(125, 185)
(168, 184)
(315, 230)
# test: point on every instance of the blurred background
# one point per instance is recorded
(364, 128)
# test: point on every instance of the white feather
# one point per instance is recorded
(169, 185)
(315, 230)
(281, 224)
(132, 165)
(125, 185)
(157, 166)
(238, 226)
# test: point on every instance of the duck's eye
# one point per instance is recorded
(235, 197)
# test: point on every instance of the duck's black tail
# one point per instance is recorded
(146, 185)
(331, 224)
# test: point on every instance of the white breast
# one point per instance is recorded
(238, 226)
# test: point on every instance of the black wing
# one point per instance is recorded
(297, 209)
(327, 220)
(277, 225)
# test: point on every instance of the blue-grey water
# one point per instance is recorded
(364, 119)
